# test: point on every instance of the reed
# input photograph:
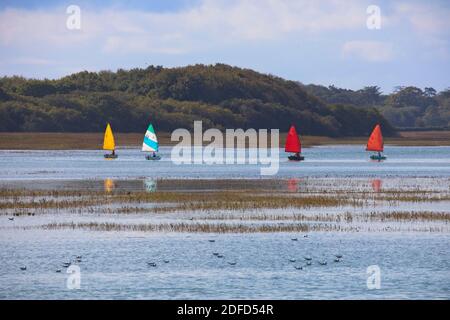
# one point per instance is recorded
(346, 217)
(195, 227)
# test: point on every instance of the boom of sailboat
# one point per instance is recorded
(293, 144)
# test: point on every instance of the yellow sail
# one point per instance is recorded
(108, 142)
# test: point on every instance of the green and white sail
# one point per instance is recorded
(150, 141)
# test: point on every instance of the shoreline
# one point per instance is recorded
(93, 141)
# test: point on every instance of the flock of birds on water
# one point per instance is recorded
(308, 260)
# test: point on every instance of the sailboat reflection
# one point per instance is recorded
(376, 185)
(292, 185)
(109, 185)
(150, 185)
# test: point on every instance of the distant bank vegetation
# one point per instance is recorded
(220, 95)
(409, 108)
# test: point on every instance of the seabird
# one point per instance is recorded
(58, 270)
(308, 263)
(215, 253)
(23, 268)
(337, 260)
(212, 240)
(11, 219)
(219, 256)
(166, 261)
(338, 256)
(232, 263)
(323, 263)
(294, 239)
(292, 260)
(299, 267)
(151, 264)
(308, 258)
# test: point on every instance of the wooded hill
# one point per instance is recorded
(220, 95)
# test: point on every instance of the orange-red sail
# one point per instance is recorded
(375, 142)
(292, 141)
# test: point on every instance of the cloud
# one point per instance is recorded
(372, 51)
(32, 61)
(425, 19)
(210, 23)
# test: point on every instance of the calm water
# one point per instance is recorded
(114, 265)
(414, 265)
(335, 161)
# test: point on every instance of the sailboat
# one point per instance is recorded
(376, 144)
(108, 143)
(150, 144)
(293, 145)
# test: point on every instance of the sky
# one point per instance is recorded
(325, 42)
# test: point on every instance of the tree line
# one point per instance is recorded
(220, 95)
(406, 107)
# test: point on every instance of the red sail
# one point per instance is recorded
(292, 141)
(375, 142)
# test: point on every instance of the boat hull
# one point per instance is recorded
(153, 158)
(296, 158)
(377, 157)
(110, 156)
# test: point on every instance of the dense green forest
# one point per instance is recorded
(220, 95)
(406, 107)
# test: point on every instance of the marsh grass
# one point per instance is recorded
(22, 201)
(94, 140)
(346, 217)
(232, 211)
(197, 227)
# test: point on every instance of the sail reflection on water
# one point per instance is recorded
(109, 185)
(150, 185)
